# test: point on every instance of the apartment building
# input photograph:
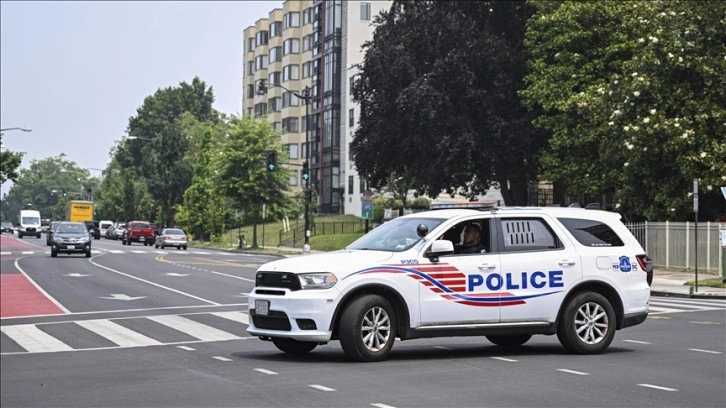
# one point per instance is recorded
(306, 51)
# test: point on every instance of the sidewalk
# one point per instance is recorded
(671, 283)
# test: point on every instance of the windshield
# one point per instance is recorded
(72, 229)
(31, 220)
(395, 236)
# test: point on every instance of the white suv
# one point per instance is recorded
(574, 272)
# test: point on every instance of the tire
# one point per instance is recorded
(291, 346)
(587, 325)
(367, 328)
(162, 246)
(185, 247)
(88, 253)
(53, 254)
(156, 246)
(510, 341)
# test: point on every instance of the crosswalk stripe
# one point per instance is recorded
(658, 310)
(115, 251)
(238, 317)
(192, 328)
(118, 334)
(33, 339)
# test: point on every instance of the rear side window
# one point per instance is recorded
(139, 225)
(592, 233)
(527, 234)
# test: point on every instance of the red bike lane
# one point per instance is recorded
(19, 296)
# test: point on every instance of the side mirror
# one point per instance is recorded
(438, 248)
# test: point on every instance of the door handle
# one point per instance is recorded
(566, 262)
(486, 266)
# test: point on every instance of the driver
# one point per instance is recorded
(472, 240)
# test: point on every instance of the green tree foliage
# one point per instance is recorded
(632, 94)
(159, 154)
(438, 86)
(9, 164)
(241, 173)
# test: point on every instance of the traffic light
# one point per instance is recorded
(261, 87)
(271, 160)
(65, 193)
(306, 171)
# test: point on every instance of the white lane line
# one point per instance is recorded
(187, 348)
(564, 370)
(657, 387)
(265, 371)
(509, 360)
(118, 334)
(658, 310)
(381, 405)
(637, 341)
(321, 387)
(46, 294)
(231, 276)
(33, 339)
(238, 317)
(706, 351)
(192, 328)
(116, 251)
(28, 252)
(5, 253)
(225, 359)
(155, 284)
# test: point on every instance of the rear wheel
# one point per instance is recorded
(53, 254)
(587, 325)
(368, 328)
(510, 341)
(291, 346)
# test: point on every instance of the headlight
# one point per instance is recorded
(322, 280)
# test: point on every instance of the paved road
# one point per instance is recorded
(144, 327)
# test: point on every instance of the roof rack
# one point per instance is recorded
(470, 205)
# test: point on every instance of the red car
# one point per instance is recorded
(138, 231)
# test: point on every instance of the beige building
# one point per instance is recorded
(315, 44)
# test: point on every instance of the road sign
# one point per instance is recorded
(366, 210)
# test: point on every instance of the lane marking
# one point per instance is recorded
(118, 334)
(46, 294)
(265, 371)
(187, 348)
(225, 359)
(564, 370)
(321, 387)
(238, 317)
(705, 351)
(657, 387)
(705, 322)
(637, 341)
(509, 360)
(33, 339)
(129, 310)
(192, 328)
(381, 405)
(155, 284)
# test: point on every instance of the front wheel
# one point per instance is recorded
(368, 328)
(291, 346)
(587, 325)
(510, 341)
(53, 254)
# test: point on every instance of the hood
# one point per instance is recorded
(336, 262)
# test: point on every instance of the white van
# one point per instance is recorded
(29, 223)
(103, 226)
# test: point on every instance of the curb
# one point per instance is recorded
(685, 295)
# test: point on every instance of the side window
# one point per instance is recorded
(527, 234)
(470, 237)
(591, 233)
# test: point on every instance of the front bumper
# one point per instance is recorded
(71, 247)
(302, 315)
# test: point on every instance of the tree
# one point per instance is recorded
(439, 84)
(9, 164)
(242, 175)
(631, 94)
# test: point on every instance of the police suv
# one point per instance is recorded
(574, 272)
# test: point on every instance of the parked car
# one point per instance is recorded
(69, 238)
(118, 231)
(6, 226)
(171, 237)
(49, 234)
(104, 226)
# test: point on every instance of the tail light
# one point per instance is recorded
(646, 265)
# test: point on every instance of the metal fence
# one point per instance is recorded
(673, 245)
(295, 236)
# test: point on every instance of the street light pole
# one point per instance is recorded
(17, 128)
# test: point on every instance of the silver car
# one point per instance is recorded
(174, 237)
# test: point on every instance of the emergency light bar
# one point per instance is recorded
(471, 205)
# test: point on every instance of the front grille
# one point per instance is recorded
(278, 280)
(274, 321)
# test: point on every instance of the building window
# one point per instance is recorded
(351, 85)
(289, 125)
(274, 104)
(351, 117)
(289, 99)
(307, 16)
(292, 151)
(350, 184)
(261, 38)
(275, 29)
(261, 62)
(293, 179)
(250, 67)
(250, 91)
(260, 109)
(250, 44)
(273, 78)
(307, 42)
(306, 69)
(291, 46)
(365, 11)
(290, 72)
(277, 126)
(291, 19)
(275, 54)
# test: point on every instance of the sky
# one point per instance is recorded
(75, 72)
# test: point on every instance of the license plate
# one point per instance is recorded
(142, 239)
(71, 247)
(262, 307)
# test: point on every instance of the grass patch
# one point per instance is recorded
(711, 283)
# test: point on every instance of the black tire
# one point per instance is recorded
(185, 247)
(162, 246)
(367, 328)
(88, 253)
(156, 246)
(53, 254)
(510, 341)
(291, 346)
(587, 325)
